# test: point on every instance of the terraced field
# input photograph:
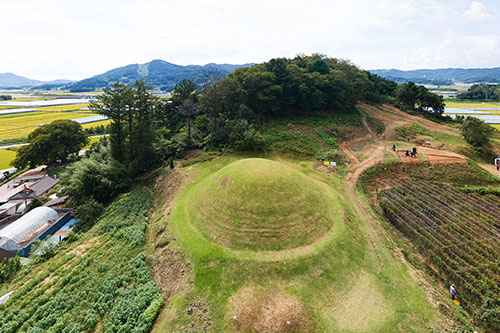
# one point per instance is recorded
(458, 235)
(100, 282)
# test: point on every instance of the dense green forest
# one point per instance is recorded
(481, 92)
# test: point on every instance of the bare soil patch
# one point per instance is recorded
(259, 309)
(225, 181)
(194, 153)
(170, 267)
(433, 156)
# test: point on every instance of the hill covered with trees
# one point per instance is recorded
(481, 92)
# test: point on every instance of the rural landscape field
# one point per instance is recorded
(247, 186)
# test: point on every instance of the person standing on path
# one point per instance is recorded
(453, 291)
(497, 162)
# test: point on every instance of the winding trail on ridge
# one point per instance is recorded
(379, 237)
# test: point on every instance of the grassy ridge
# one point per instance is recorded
(315, 135)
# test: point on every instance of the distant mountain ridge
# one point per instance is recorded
(157, 73)
(11, 80)
(442, 75)
(164, 75)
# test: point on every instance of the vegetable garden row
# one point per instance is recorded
(98, 283)
(458, 234)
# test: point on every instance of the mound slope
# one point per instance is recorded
(258, 204)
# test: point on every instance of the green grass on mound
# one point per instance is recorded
(346, 281)
(259, 204)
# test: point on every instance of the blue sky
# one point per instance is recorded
(77, 39)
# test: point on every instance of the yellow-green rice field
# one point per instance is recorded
(5, 157)
(20, 125)
(472, 105)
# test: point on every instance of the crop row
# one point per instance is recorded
(101, 283)
(458, 234)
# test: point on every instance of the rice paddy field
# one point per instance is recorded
(472, 105)
(488, 112)
(5, 157)
(19, 125)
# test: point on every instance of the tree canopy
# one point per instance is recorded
(131, 111)
(413, 97)
(481, 92)
(303, 84)
(477, 133)
(50, 143)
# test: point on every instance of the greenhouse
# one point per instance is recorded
(21, 232)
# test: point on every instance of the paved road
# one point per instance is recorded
(25, 144)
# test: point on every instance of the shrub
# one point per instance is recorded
(88, 213)
(8, 268)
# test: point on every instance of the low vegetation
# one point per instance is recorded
(99, 282)
(246, 283)
(455, 233)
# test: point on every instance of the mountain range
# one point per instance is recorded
(10, 80)
(157, 73)
(442, 76)
(163, 75)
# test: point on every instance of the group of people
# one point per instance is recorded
(413, 152)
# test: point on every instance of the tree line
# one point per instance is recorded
(481, 92)
(227, 113)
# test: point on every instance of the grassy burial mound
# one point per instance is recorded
(259, 204)
(277, 247)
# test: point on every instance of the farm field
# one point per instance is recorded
(5, 157)
(64, 108)
(18, 126)
(98, 282)
(457, 234)
(472, 104)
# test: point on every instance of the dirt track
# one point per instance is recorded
(356, 168)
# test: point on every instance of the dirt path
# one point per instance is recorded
(490, 168)
(379, 237)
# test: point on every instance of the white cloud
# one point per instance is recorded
(77, 39)
(482, 50)
(478, 11)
